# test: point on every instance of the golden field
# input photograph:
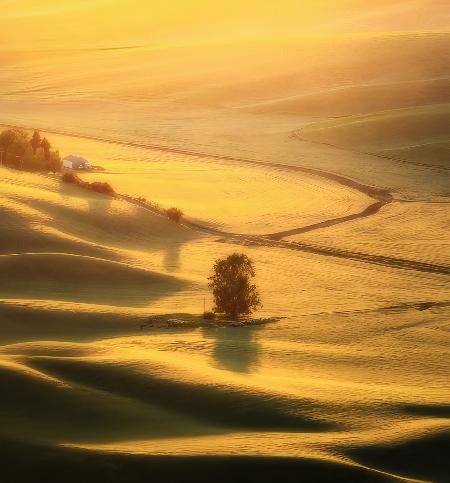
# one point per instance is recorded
(315, 140)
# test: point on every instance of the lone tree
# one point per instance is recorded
(231, 284)
(35, 141)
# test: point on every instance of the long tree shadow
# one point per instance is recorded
(75, 278)
(99, 204)
(171, 259)
(236, 348)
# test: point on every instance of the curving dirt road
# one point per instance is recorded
(272, 240)
(381, 196)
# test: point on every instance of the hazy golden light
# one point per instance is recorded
(66, 22)
(311, 137)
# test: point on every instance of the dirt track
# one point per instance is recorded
(380, 195)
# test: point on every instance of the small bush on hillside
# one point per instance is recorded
(154, 205)
(208, 315)
(71, 178)
(100, 187)
(174, 214)
(97, 186)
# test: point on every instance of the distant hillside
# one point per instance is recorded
(359, 99)
(333, 75)
(419, 134)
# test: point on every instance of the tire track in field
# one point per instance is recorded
(272, 240)
(381, 196)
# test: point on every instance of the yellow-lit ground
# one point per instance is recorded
(351, 384)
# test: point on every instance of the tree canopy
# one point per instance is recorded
(35, 141)
(231, 283)
(174, 214)
(45, 145)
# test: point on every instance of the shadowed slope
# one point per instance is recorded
(61, 411)
(30, 321)
(76, 278)
(214, 403)
(425, 458)
(39, 213)
(50, 464)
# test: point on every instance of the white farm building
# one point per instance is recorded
(76, 162)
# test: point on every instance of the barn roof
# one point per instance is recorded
(76, 159)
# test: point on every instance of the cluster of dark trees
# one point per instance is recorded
(28, 153)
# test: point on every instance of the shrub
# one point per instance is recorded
(71, 178)
(154, 205)
(174, 214)
(97, 186)
(234, 294)
(208, 315)
(100, 187)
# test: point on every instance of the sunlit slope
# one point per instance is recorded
(139, 379)
(63, 243)
(416, 231)
(192, 95)
(356, 370)
(418, 134)
(62, 408)
(233, 196)
(137, 21)
(358, 99)
(314, 385)
(77, 278)
(42, 214)
(329, 75)
(75, 232)
(228, 72)
(49, 218)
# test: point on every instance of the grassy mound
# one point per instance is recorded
(40, 214)
(425, 458)
(413, 131)
(359, 99)
(213, 403)
(82, 279)
(436, 151)
(344, 69)
(64, 321)
(62, 411)
(48, 463)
